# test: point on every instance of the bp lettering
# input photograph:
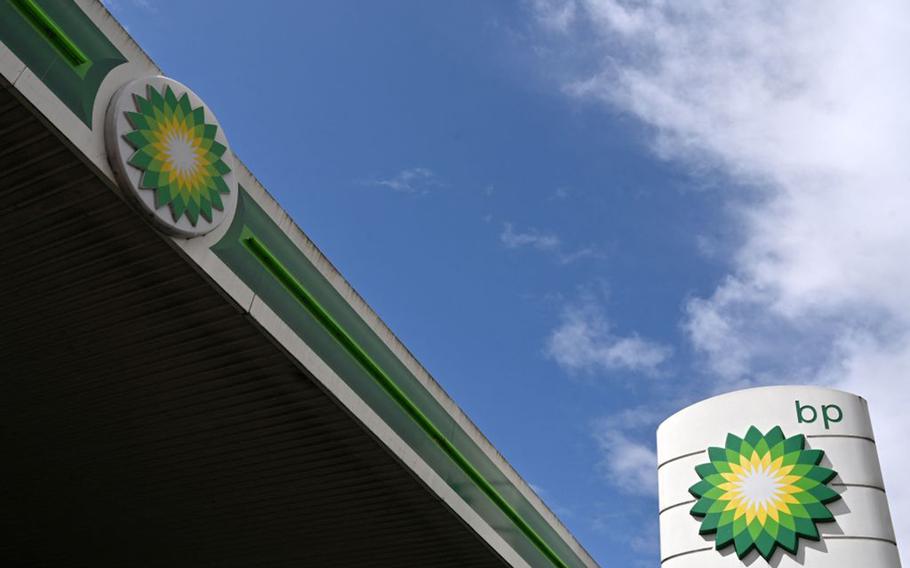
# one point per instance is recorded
(808, 414)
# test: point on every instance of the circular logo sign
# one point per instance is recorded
(763, 491)
(170, 156)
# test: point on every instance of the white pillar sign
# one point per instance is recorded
(779, 476)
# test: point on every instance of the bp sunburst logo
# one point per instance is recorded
(169, 151)
(763, 491)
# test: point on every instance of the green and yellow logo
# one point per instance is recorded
(763, 491)
(177, 152)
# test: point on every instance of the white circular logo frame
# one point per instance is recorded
(128, 176)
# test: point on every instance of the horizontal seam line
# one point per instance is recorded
(690, 454)
(876, 487)
(867, 438)
(665, 509)
(846, 537)
(824, 537)
(677, 555)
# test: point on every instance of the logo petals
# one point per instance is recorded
(762, 491)
(177, 152)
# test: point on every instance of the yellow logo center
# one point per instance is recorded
(178, 148)
(760, 488)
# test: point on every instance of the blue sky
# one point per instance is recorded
(583, 215)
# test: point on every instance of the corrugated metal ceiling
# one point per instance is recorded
(145, 421)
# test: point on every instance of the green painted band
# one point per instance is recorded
(302, 295)
(51, 31)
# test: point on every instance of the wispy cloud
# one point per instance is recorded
(627, 462)
(807, 116)
(629, 527)
(584, 342)
(560, 193)
(579, 254)
(545, 242)
(410, 180)
(557, 15)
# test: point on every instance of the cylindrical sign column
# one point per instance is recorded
(780, 476)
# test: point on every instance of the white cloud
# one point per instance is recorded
(628, 528)
(544, 242)
(578, 254)
(627, 463)
(411, 180)
(804, 112)
(584, 342)
(556, 15)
